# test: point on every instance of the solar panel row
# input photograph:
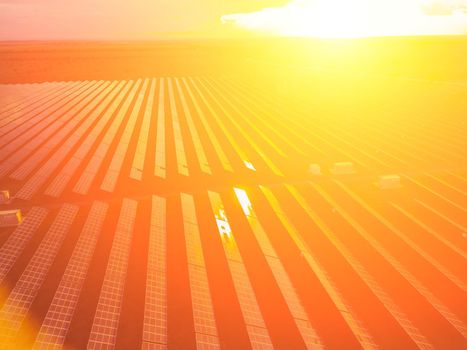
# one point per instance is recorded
(88, 175)
(60, 313)
(16, 307)
(57, 186)
(402, 254)
(203, 313)
(107, 316)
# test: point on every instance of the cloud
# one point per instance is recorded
(356, 18)
(443, 7)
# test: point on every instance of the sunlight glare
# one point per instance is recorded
(243, 200)
(355, 18)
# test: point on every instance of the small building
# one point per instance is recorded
(314, 169)
(386, 182)
(4, 197)
(10, 217)
(343, 168)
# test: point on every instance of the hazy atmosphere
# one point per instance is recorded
(155, 19)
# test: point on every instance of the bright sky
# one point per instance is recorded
(357, 18)
(117, 19)
(148, 19)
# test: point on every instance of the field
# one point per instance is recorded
(172, 199)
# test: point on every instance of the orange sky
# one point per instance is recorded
(116, 19)
(140, 19)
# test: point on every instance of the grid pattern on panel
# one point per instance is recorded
(89, 173)
(137, 167)
(360, 332)
(182, 165)
(256, 328)
(200, 154)
(105, 324)
(159, 167)
(257, 123)
(26, 104)
(55, 325)
(15, 244)
(30, 140)
(432, 232)
(30, 116)
(246, 296)
(13, 139)
(58, 185)
(153, 346)
(251, 140)
(73, 117)
(16, 307)
(440, 267)
(259, 338)
(113, 172)
(155, 309)
(415, 282)
(212, 137)
(291, 298)
(41, 176)
(209, 100)
(203, 313)
(369, 280)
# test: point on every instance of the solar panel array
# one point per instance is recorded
(177, 212)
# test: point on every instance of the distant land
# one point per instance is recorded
(430, 58)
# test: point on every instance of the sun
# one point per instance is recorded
(353, 19)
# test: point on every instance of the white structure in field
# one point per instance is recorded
(314, 169)
(341, 168)
(4, 197)
(10, 217)
(386, 182)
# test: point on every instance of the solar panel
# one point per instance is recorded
(16, 307)
(106, 319)
(200, 154)
(160, 167)
(59, 183)
(369, 280)
(113, 172)
(182, 165)
(431, 231)
(32, 138)
(240, 151)
(256, 328)
(233, 102)
(203, 313)
(137, 168)
(30, 115)
(42, 174)
(14, 101)
(355, 325)
(155, 308)
(34, 92)
(267, 121)
(89, 173)
(77, 114)
(399, 267)
(291, 298)
(60, 313)
(28, 102)
(212, 137)
(18, 240)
